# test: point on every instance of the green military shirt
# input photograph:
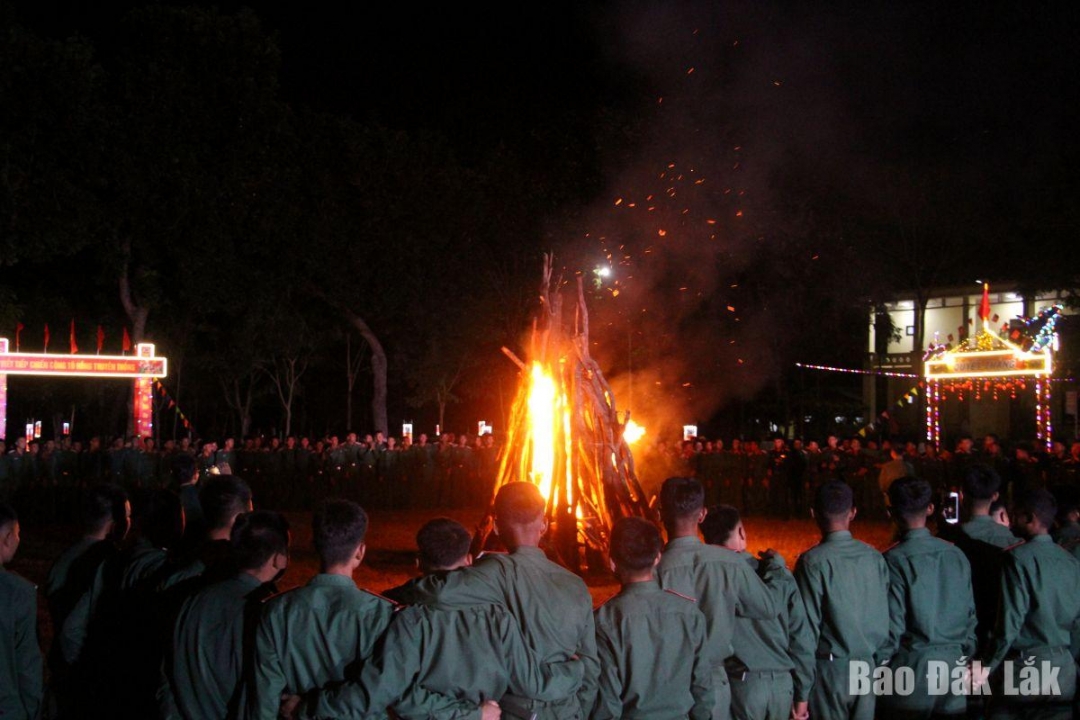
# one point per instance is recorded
(1068, 536)
(983, 527)
(931, 604)
(1040, 599)
(652, 656)
(552, 606)
(309, 636)
(723, 585)
(782, 642)
(844, 586)
(20, 656)
(932, 621)
(203, 670)
(59, 574)
(844, 583)
(444, 662)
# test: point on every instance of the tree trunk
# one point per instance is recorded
(378, 372)
(137, 314)
(351, 379)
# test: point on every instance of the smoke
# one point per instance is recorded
(691, 319)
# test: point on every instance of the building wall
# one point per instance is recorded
(950, 311)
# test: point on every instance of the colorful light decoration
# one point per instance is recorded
(991, 364)
(144, 368)
(853, 371)
(3, 392)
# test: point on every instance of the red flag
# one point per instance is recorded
(100, 338)
(18, 329)
(46, 337)
(126, 342)
(984, 306)
(71, 337)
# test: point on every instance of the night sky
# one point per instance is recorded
(956, 117)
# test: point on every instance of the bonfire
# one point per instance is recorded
(565, 435)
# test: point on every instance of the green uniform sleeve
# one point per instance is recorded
(388, 679)
(480, 584)
(590, 663)
(28, 655)
(268, 678)
(166, 701)
(897, 610)
(609, 685)
(754, 600)
(1015, 602)
(801, 644)
(811, 591)
(529, 676)
(77, 623)
(701, 679)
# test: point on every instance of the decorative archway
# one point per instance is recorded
(144, 366)
(990, 362)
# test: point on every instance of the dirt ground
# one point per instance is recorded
(391, 548)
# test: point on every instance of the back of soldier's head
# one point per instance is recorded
(102, 504)
(258, 536)
(833, 500)
(442, 544)
(1040, 504)
(519, 503)
(1068, 501)
(338, 528)
(183, 469)
(720, 523)
(909, 497)
(981, 482)
(159, 516)
(635, 543)
(222, 498)
(681, 497)
(8, 517)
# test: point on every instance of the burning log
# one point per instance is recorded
(565, 436)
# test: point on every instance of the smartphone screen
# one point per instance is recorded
(951, 511)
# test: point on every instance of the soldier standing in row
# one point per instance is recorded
(844, 586)
(722, 584)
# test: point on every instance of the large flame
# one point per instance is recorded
(542, 411)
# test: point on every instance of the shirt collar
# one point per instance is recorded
(838, 535)
(648, 587)
(685, 541)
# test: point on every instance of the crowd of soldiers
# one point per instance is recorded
(44, 478)
(166, 607)
(778, 477)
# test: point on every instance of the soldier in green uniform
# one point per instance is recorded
(931, 607)
(73, 572)
(551, 605)
(1037, 620)
(309, 636)
(482, 653)
(982, 486)
(20, 656)
(203, 672)
(844, 586)
(650, 641)
(771, 670)
(722, 583)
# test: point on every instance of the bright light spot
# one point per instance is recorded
(542, 404)
(603, 271)
(632, 432)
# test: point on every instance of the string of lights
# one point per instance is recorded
(853, 371)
